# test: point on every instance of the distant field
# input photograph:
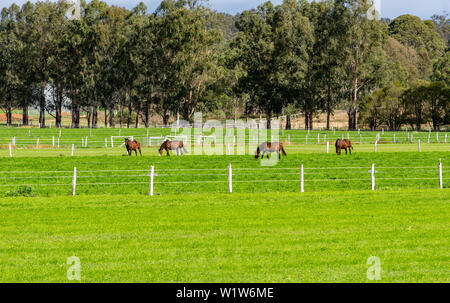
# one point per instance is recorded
(282, 237)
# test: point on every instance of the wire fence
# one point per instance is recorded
(300, 178)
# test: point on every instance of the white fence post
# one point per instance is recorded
(73, 149)
(373, 176)
(318, 138)
(302, 180)
(14, 141)
(85, 142)
(74, 181)
(441, 184)
(106, 142)
(37, 143)
(53, 141)
(58, 142)
(360, 139)
(289, 138)
(328, 147)
(394, 139)
(60, 131)
(419, 145)
(230, 178)
(376, 144)
(306, 139)
(10, 150)
(82, 142)
(437, 137)
(445, 138)
(112, 142)
(152, 177)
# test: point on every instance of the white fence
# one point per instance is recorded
(226, 176)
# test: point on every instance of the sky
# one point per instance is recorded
(389, 8)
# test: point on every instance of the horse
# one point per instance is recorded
(133, 145)
(172, 145)
(343, 144)
(267, 148)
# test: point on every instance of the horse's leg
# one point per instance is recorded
(135, 152)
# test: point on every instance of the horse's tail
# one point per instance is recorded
(162, 146)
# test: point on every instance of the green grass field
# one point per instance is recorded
(193, 230)
(287, 237)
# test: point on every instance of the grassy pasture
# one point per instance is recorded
(284, 237)
(194, 231)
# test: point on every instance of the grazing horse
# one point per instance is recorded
(343, 144)
(172, 145)
(133, 145)
(267, 148)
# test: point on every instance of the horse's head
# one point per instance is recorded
(162, 147)
(338, 146)
(258, 152)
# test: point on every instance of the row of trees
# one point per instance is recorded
(274, 60)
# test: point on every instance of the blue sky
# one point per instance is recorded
(389, 8)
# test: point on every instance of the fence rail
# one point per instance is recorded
(229, 176)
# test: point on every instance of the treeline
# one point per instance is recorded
(274, 60)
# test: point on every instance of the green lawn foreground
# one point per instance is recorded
(275, 237)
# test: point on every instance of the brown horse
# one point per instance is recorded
(267, 148)
(132, 145)
(172, 145)
(343, 144)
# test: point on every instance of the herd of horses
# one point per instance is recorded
(265, 148)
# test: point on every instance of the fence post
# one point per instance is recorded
(376, 143)
(58, 142)
(82, 142)
(360, 139)
(152, 177)
(437, 137)
(53, 141)
(106, 143)
(412, 138)
(74, 181)
(14, 141)
(318, 138)
(306, 139)
(10, 150)
(373, 176)
(230, 178)
(445, 138)
(37, 143)
(419, 145)
(328, 147)
(73, 149)
(112, 142)
(85, 142)
(289, 138)
(394, 139)
(325, 138)
(302, 180)
(60, 131)
(441, 184)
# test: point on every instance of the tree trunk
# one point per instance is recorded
(42, 105)
(75, 112)
(329, 108)
(94, 117)
(147, 115)
(288, 122)
(111, 118)
(269, 120)
(306, 121)
(25, 119)
(58, 107)
(136, 125)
